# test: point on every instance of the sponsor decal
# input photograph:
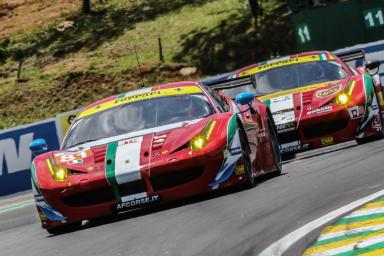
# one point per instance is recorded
(286, 126)
(240, 170)
(261, 134)
(285, 61)
(327, 141)
(376, 123)
(327, 92)
(139, 200)
(131, 97)
(293, 147)
(72, 157)
(354, 112)
(321, 110)
(235, 151)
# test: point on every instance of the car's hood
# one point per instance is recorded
(289, 106)
(134, 151)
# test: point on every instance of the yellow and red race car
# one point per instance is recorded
(316, 99)
(149, 146)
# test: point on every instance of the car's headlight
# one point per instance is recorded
(200, 141)
(342, 99)
(57, 173)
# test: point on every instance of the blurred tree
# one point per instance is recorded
(86, 6)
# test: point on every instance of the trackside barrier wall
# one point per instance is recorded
(15, 156)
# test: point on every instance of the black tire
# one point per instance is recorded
(275, 147)
(64, 229)
(250, 180)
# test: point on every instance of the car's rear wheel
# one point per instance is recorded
(274, 145)
(64, 228)
(250, 180)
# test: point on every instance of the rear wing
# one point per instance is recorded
(352, 55)
(230, 83)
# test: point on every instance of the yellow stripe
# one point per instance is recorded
(353, 225)
(334, 245)
(372, 205)
(280, 63)
(141, 96)
(296, 90)
(377, 252)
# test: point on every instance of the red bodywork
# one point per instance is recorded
(318, 120)
(168, 169)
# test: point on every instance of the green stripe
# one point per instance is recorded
(231, 130)
(321, 57)
(34, 178)
(363, 250)
(16, 206)
(343, 237)
(369, 94)
(110, 168)
(344, 221)
(268, 103)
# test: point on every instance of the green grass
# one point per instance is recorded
(95, 59)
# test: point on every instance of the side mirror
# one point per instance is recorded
(245, 98)
(38, 146)
(371, 65)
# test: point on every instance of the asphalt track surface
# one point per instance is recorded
(234, 222)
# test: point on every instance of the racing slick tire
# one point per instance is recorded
(275, 146)
(375, 137)
(250, 180)
(64, 229)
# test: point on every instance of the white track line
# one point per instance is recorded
(280, 246)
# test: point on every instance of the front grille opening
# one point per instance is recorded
(88, 198)
(176, 178)
(325, 128)
(287, 137)
(131, 188)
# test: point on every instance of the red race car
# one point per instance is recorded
(152, 145)
(316, 99)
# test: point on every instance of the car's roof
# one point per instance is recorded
(188, 86)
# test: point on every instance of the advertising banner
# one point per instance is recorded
(16, 158)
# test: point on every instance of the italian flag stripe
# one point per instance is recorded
(231, 129)
(110, 168)
(34, 178)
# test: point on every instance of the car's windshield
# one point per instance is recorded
(290, 77)
(139, 115)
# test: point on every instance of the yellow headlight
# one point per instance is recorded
(342, 99)
(201, 140)
(57, 173)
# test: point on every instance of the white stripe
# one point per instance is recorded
(364, 212)
(352, 246)
(280, 246)
(349, 232)
(127, 160)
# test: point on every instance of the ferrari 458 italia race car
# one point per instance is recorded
(316, 99)
(152, 145)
